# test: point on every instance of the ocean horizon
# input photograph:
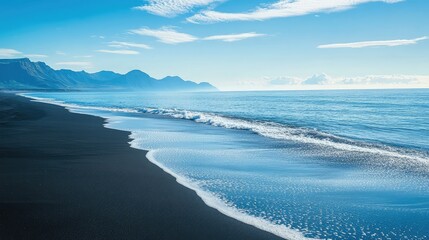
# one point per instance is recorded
(299, 164)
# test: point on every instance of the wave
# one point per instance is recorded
(263, 128)
(402, 157)
(211, 200)
(76, 106)
(301, 135)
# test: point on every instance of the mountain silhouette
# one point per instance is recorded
(23, 74)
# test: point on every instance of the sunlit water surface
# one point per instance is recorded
(300, 164)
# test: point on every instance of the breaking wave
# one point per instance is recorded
(296, 134)
(395, 156)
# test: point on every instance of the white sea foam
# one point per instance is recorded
(210, 199)
(302, 135)
(274, 131)
(227, 209)
(71, 106)
(267, 129)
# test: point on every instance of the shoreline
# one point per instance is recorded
(64, 175)
(208, 198)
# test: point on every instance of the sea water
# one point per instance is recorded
(300, 164)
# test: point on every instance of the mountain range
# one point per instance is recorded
(23, 74)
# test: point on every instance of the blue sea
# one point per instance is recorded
(300, 164)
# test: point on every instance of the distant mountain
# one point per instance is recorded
(16, 74)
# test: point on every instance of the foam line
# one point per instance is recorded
(227, 209)
(70, 106)
(209, 199)
(282, 132)
(274, 131)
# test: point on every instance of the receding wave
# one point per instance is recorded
(264, 128)
(302, 135)
(403, 157)
(76, 106)
(211, 200)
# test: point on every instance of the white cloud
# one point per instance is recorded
(385, 43)
(83, 56)
(318, 79)
(386, 79)
(286, 80)
(129, 44)
(97, 36)
(6, 52)
(234, 37)
(35, 55)
(166, 35)
(123, 52)
(60, 53)
(324, 79)
(281, 8)
(171, 36)
(171, 8)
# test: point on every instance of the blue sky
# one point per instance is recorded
(234, 44)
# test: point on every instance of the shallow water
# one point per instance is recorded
(315, 164)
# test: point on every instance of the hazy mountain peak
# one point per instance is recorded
(172, 78)
(21, 73)
(135, 71)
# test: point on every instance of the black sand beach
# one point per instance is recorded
(65, 176)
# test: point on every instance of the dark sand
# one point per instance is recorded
(65, 176)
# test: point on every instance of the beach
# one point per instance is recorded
(65, 176)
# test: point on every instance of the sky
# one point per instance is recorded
(233, 44)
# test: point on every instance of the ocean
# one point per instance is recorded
(349, 164)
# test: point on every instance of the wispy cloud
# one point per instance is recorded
(318, 79)
(60, 53)
(166, 35)
(171, 8)
(35, 55)
(170, 36)
(97, 36)
(7, 52)
(83, 56)
(324, 79)
(386, 79)
(123, 52)
(385, 43)
(234, 37)
(286, 80)
(129, 44)
(281, 8)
